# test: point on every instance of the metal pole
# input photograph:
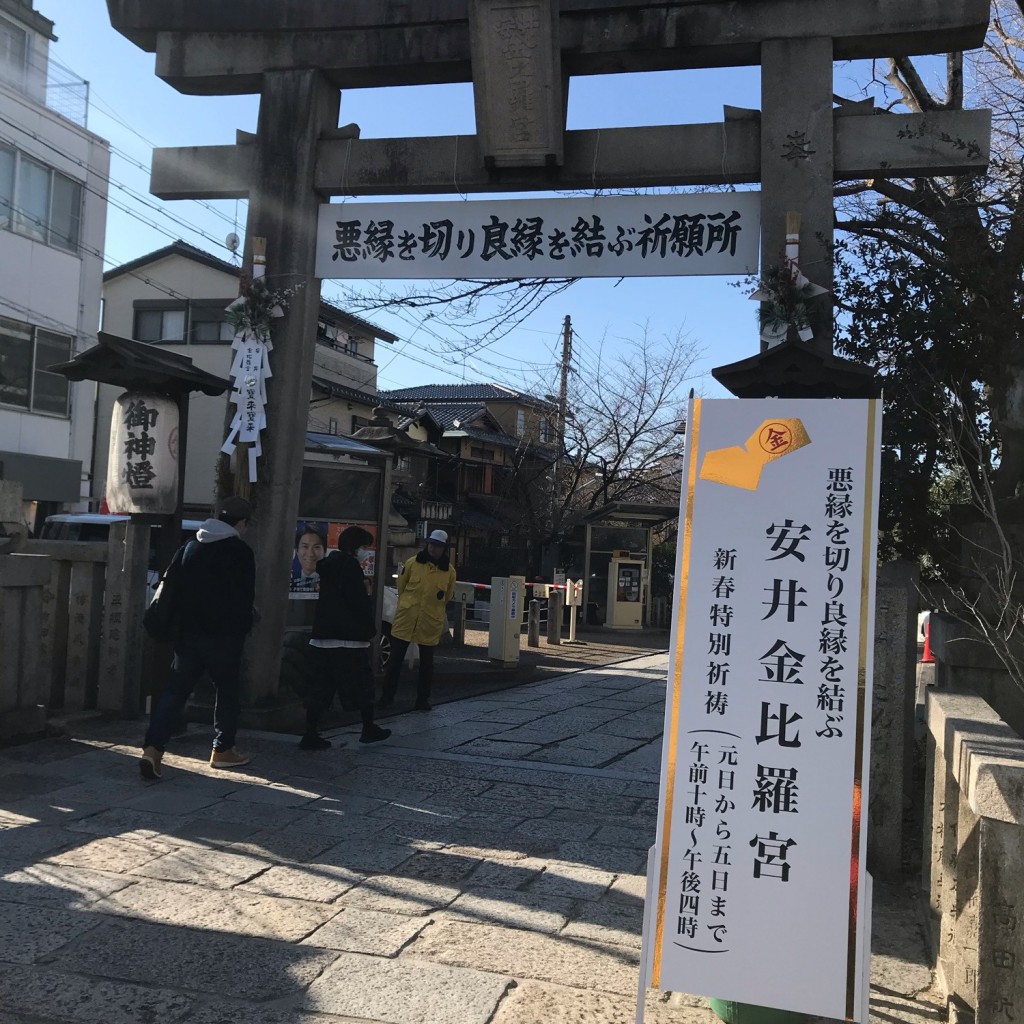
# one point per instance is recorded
(459, 630)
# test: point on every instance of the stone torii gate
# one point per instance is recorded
(519, 54)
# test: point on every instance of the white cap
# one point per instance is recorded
(438, 537)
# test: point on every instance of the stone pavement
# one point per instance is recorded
(484, 866)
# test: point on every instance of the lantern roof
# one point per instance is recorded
(137, 364)
(796, 370)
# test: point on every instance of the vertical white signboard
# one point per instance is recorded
(760, 855)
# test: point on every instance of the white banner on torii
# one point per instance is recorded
(579, 236)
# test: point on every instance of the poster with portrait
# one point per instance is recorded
(314, 540)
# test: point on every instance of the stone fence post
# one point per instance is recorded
(974, 856)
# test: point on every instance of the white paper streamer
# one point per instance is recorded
(250, 369)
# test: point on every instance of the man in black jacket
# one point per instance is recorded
(217, 582)
(343, 630)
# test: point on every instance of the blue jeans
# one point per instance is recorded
(218, 654)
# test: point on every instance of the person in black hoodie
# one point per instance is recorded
(217, 582)
(343, 630)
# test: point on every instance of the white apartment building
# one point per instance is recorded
(175, 298)
(53, 206)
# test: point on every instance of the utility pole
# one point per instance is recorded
(563, 398)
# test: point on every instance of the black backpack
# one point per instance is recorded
(162, 619)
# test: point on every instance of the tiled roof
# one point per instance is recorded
(446, 415)
(329, 387)
(462, 393)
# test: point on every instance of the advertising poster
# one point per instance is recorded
(760, 889)
(315, 539)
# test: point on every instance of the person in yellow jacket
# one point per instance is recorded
(426, 583)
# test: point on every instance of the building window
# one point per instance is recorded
(39, 202)
(25, 381)
(481, 453)
(332, 425)
(547, 432)
(14, 53)
(207, 325)
(520, 423)
(154, 325)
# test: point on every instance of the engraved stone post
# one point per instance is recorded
(517, 81)
(1000, 924)
(121, 652)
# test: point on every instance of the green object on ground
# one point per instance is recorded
(744, 1013)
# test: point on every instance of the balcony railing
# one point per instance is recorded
(50, 83)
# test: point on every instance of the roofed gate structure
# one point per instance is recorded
(299, 54)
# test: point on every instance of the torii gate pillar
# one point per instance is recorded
(296, 108)
(797, 158)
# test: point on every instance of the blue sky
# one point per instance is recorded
(134, 110)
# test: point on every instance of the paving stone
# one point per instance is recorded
(126, 824)
(343, 802)
(572, 880)
(66, 999)
(227, 965)
(447, 737)
(367, 931)
(394, 895)
(110, 854)
(32, 842)
(603, 858)
(405, 991)
(491, 821)
(632, 728)
(429, 810)
(525, 954)
(504, 874)
(582, 752)
(533, 1002)
(645, 759)
(509, 909)
(275, 796)
(265, 816)
(556, 830)
(641, 836)
(629, 888)
(165, 800)
(54, 885)
(238, 912)
(102, 791)
(340, 824)
(366, 856)
(509, 716)
(487, 747)
(202, 866)
(284, 845)
(611, 921)
(227, 1013)
(29, 933)
(40, 811)
(18, 784)
(213, 832)
(437, 866)
(322, 884)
